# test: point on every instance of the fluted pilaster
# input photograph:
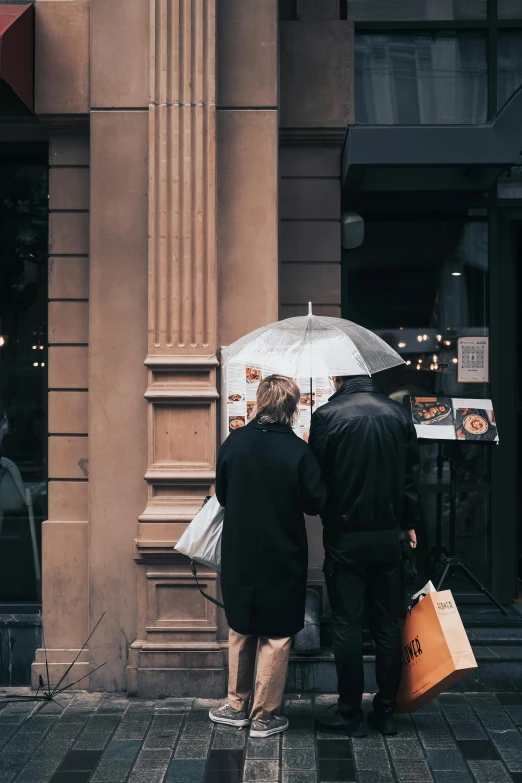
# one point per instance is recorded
(176, 626)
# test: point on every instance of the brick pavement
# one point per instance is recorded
(460, 738)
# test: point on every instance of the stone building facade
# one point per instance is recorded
(194, 194)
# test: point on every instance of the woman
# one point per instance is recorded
(267, 478)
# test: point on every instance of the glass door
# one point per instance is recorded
(23, 371)
(421, 281)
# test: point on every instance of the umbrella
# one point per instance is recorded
(46, 692)
(314, 346)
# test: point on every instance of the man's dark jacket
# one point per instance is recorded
(366, 446)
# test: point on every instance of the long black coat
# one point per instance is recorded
(266, 478)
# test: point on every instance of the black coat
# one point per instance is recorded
(267, 478)
(366, 446)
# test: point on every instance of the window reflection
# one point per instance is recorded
(509, 64)
(401, 282)
(509, 9)
(415, 10)
(409, 79)
(23, 376)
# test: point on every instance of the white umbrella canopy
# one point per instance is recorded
(314, 346)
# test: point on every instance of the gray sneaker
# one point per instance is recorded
(229, 715)
(265, 728)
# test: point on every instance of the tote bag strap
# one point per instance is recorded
(205, 595)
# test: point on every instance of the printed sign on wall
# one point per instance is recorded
(473, 360)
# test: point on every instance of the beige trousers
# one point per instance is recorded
(270, 676)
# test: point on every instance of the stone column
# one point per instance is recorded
(62, 104)
(119, 44)
(65, 533)
(247, 122)
(176, 650)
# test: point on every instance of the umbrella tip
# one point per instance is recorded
(309, 308)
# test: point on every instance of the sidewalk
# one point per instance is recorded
(461, 738)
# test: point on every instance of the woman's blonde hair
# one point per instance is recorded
(277, 400)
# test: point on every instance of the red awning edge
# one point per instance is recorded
(17, 50)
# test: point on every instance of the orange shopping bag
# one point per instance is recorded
(436, 652)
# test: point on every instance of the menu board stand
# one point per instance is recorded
(450, 419)
(451, 562)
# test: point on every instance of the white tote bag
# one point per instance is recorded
(201, 541)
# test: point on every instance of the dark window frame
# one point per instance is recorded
(491, 24)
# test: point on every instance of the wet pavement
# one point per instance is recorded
(459, 738)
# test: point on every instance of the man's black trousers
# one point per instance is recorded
(351, 587)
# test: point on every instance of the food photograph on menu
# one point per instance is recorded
(430, 412)
(235, 422)
(475, 424)
(253, 374)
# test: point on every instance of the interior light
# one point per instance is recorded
(455, 361)
(35, 364)
(419, 337)
(42, 364)
(402, 345)
(447, 342)
(439, 338)
(409, 361)
(35, 347)
(435, 357)
(424, 337)
(2, 340)
(456, 274)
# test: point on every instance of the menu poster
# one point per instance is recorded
(433, 417)
(240, 385)
(442, 418)
(475, 420)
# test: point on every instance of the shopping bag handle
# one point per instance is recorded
(205, 595)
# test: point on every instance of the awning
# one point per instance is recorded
(432, 157)
(17, 51)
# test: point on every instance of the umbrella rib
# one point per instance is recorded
(303, 343)
(62, 690)
(36, 709)
(237, 356)
(349, 338)
(46, 661)
(86, 642)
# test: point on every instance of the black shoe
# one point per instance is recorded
(338, 724)
(383, 723)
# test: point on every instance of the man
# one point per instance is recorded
(366, 447)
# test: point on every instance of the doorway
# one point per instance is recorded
(518, 273)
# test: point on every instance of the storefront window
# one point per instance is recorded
(509, 64)
(415, 10)
(422, 284)
(416, 79)
(509, 185)
(23, 376)
(510, 9)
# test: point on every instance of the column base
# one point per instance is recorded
(159, 673)
(57, 663)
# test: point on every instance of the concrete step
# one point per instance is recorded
(499, 669)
